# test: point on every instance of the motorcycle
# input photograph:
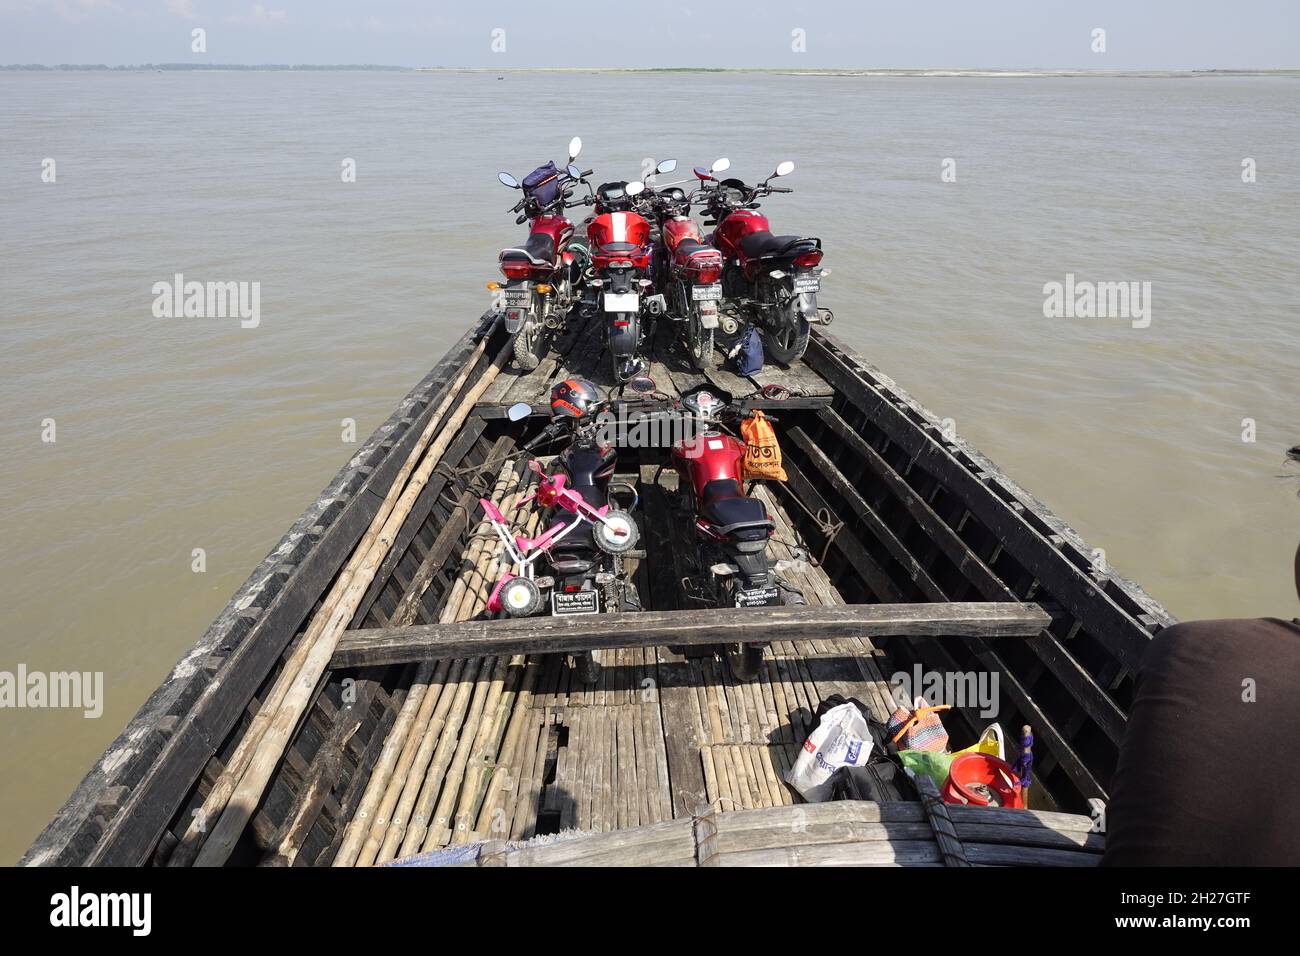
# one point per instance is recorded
(775, 279)
(544, 275)
(586, 537)
(620, 240)
(733, 568)
(689, 271)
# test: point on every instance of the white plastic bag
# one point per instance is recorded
(842, 739)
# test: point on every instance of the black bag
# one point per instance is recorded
(543, 184)
(883, 779)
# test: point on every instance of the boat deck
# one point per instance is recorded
(403, 755)
(581, 351)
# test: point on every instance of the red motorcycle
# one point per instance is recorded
(775, 279)
(621, 246)
(732, 529)
(544, 275)
(689, 271)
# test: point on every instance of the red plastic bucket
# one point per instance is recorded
(982, 780)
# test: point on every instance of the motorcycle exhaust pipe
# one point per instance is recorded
(552, 322)
(728, 324)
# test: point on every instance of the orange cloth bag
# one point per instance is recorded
(762, 451)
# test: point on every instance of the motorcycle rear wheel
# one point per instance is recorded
(787, 343)
(744, 660)
(700, 342)
(529, 347)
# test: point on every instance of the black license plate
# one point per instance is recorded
(759, 597)
(575, 602)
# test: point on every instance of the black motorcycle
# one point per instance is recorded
(586, 579)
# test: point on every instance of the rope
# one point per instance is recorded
(826, 524)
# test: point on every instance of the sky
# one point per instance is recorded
(886, 34)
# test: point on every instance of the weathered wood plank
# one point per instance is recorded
(387, 645)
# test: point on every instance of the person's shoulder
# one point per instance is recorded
(1194, 630)
(1199, 641)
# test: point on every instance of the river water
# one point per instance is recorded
(177, 434)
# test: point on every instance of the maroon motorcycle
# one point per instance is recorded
(688, 270)
(544, 275)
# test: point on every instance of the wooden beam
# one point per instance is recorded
(560, 635)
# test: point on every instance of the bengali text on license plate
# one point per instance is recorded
(759, 597)
(576, 602)
(705, 293)
(807, 284)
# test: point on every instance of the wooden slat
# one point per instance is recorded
(709, 626)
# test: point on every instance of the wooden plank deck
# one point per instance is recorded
(659, 737)
(582, 351)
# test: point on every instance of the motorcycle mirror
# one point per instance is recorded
(575, 147)
(508, 180)
(634, 188)
(642, 385)
(720, 165)
(667, 166)
(784, 169)
(519, 411)
(573, 171)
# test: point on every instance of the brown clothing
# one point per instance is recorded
(1206, 777)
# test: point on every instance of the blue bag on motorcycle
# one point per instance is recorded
(748, 353)
(543, 184)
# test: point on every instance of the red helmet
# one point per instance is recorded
(576, 398)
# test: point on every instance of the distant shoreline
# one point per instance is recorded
(777, 71)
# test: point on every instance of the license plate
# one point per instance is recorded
(519, 298)
(577, 602)
(759, 597)
(807, 284)
(622, 302)
(705, 293)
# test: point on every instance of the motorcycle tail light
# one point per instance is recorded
(808, 259)
(516, 270)
(708, 273)
(621, 323)
(572, 588)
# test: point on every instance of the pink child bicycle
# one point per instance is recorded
(519, 592)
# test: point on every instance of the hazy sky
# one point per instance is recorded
(1002, 34)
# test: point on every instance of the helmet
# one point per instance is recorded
(576, 398)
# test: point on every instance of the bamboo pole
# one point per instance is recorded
(358, 828)
(334, 616)
(192, 840)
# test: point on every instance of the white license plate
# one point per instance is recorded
(705, 293)
(519, 298)
(576, 602)
(807, 284)
(759, 597)
(622, 302)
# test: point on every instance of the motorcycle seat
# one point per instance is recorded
(689, 247)
(764, 245)
(611, 248)
(539, 250)
(725, 505)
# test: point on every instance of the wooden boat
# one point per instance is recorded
(345, 709)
